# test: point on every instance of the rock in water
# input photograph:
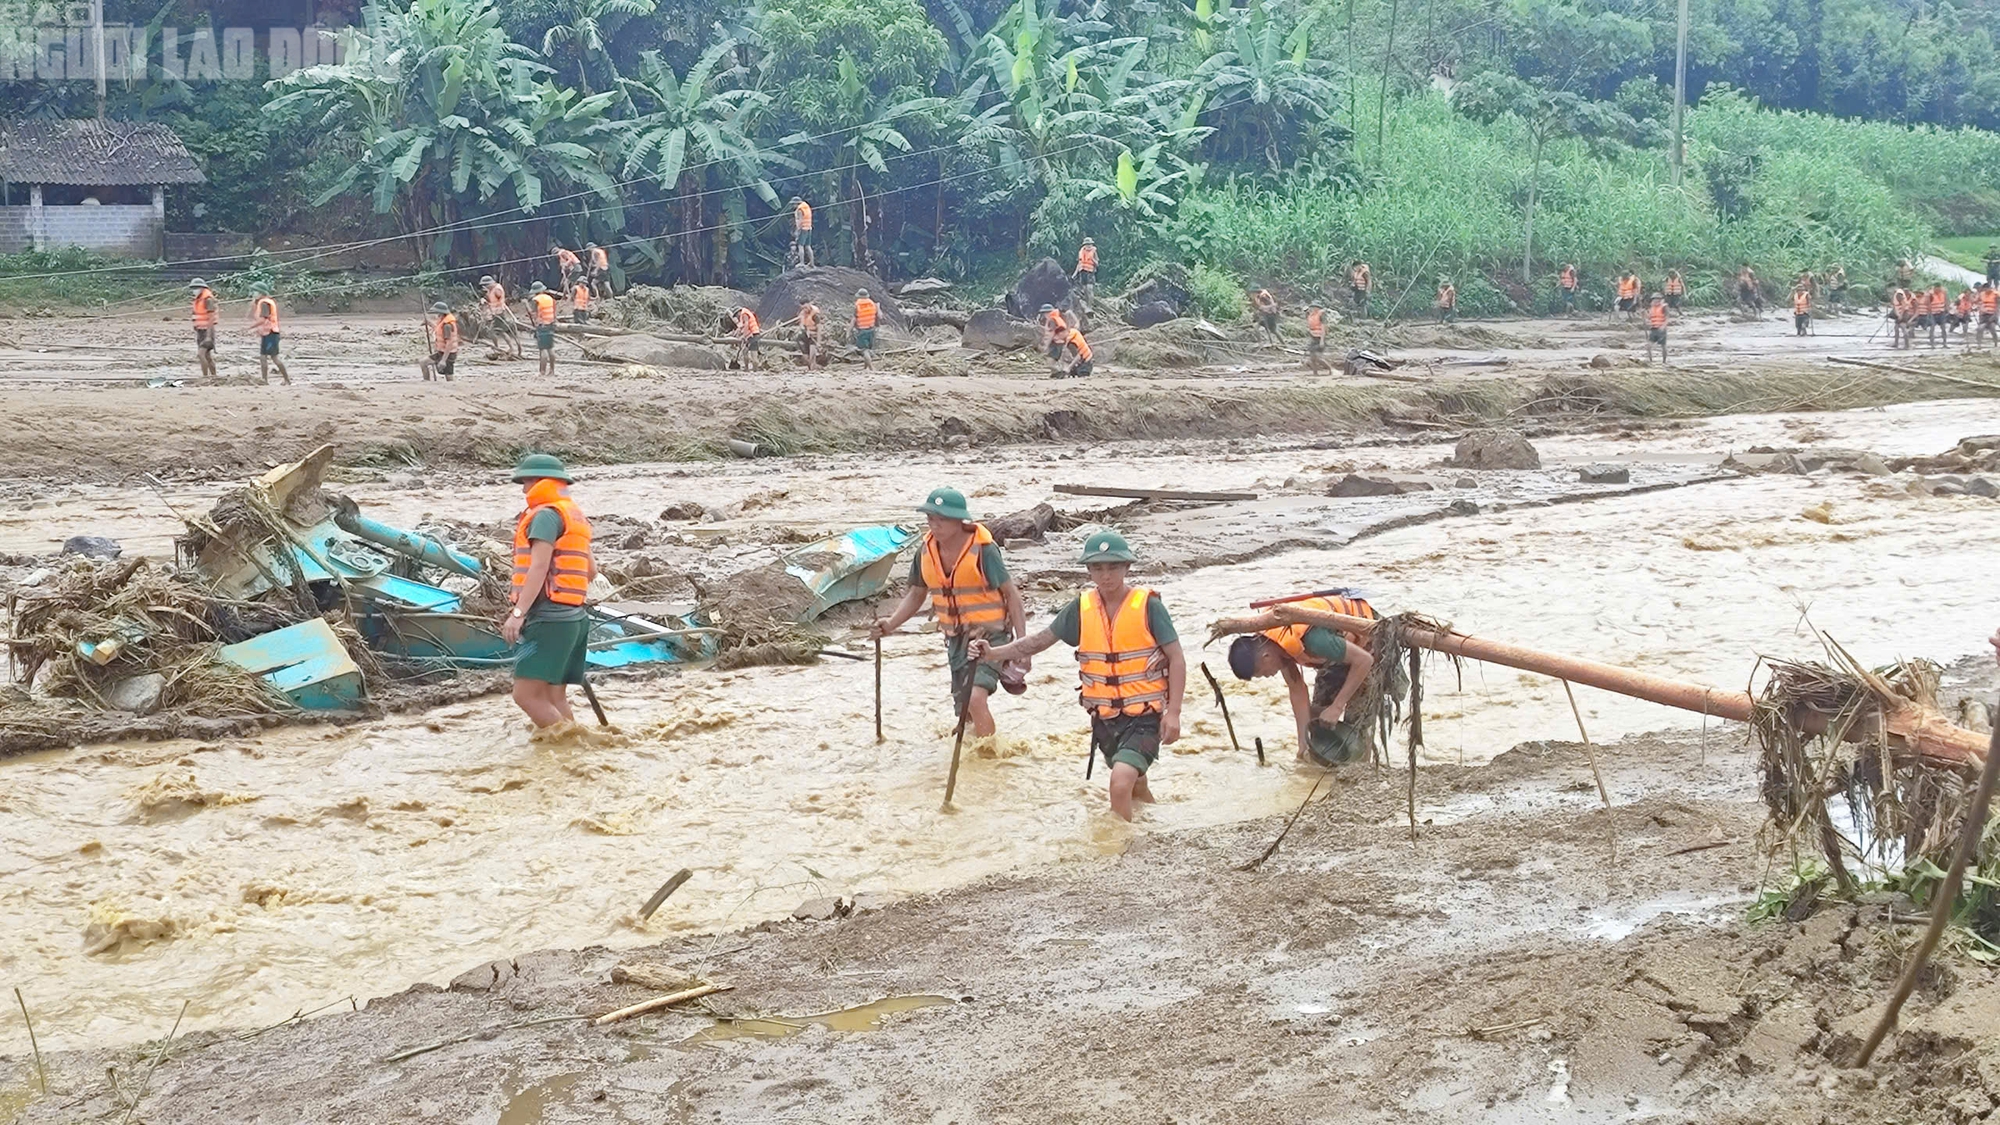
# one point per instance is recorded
(994, 330)
(1151, 313)
(1354, 484)
(139, 694)
(668, 353)
(1980, 486)
(1495, 449)
(1045, 283)
(832, 289)
(1604, 474)
(92, 547)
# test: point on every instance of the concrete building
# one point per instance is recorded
(101, 185)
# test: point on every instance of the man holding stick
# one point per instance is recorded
(961, 572)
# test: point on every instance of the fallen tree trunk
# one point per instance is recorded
(1930, 736)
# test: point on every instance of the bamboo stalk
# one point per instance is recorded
(1930, 736)
(658, 1002)
(41, 1072)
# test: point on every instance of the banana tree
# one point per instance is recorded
(695, 137)
(579, 42)
(436, 110)
(1263, 85)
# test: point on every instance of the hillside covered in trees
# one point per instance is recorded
(1259, 141)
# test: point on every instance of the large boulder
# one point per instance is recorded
(832, 289)
(1167, 285)
(1495, 449)
(1045, 283)
(994, 330)
(669, 353)
(1151, 313)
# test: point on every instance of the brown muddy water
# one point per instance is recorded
(261, 877)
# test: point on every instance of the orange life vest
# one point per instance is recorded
(1292, 638)
(1121, 665)
(496, 298)
(1937, 299)
(205, 312)
(1058, 327)
(266, 311)
(565, 259)
(600, 259)
(864, 313)
(579, 296)
(1358, 277)
(746, 322)
(1447, 296)
(809, 319)
(1657, 315)
(1568, 278)
(802, 215)
(1086, 259)
(962, 598)
(569, 567)
(545, 308)
(1899, 303)
(1628, 287)
(1989, 301)
(1801, 302)
(1675, 285)
(1316, 324)
(1964, 302)
(1081, 345)
(447, 334)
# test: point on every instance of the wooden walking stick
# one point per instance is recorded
(590, 694)
(1946, 898)
(878, 691)
(964, 698)
(1224, 704)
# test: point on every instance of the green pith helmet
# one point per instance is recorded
(538, 287)
(486, 280)
(946, 502)
(197, 283)
(540, 466)
(440, 308)
(261, 289)
(1108, 546)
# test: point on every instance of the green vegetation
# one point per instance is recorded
(73, 277)
(1266, 142)
(1969, 250)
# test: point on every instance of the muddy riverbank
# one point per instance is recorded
(1528, 957)
(263, 874)
(91, 417)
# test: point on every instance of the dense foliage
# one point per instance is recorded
(1262, 141)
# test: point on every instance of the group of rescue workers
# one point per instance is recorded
(582, 279)
(1132, 672)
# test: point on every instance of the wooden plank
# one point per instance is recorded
(1900, 369)
(1152, 493)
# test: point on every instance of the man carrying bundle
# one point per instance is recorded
(1129, 661)
(1340, 661)
(961, 572)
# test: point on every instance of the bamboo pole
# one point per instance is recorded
(1930, 736)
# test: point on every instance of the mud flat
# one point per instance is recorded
(1503, 966)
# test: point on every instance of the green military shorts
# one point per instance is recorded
(986, 675)
(545, 339)
(268, 345)
(1131, 739)
(864, 338)
(553, 651)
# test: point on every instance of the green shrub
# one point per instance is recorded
(1218, 293)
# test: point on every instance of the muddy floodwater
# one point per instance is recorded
(256, 878)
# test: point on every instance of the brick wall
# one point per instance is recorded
(14, 236)
(114, 230)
